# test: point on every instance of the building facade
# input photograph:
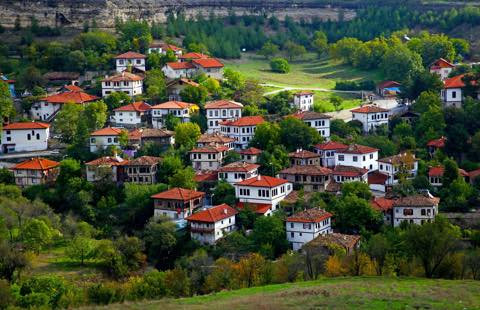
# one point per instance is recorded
(208, 157)
(371, 117)
(327, 152)
(179, 109)
(35, 171)
(125, 82)
(241, 130)
(319, 121)
(103, 138)
(142, 170)
(220, 111)
(303, 227)
(25, 137)
(130, 60)
(177, 203)
(359, 156)
(303, 101)
(237, 172)
(131, 115)
(416, 209)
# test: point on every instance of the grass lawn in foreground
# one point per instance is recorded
(308, 72)
(335, 293)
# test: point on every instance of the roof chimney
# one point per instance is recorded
(259, 177)
(225, 211)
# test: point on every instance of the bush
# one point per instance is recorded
(105, 294)
(6, 298)
(354, 85)
(280, 65)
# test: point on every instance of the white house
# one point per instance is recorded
(188, 57)
(176, 70)
(103, 138)
(35, 171)
(126, 82)
(221, 110)
(181, 110)
(108, 167)
(358, 156)
(211, 67)
(442, 67)
(263, 191)
(371, 117)
(177, 203)
(25, 137)
(303, 101)
(392, 166)
(304, 158)
(452, 92)
(304, 226)
(327, 152)
(237, 172)
(163, 48)
(175, 87)
(208, 157)
(319, 121)
(435, 175)
(207, 226)
(242, 130)
(250, 155)
(130, 115)
(342, 174)
(416, 209)
(47, 108)
(215, 139)
(130, 59)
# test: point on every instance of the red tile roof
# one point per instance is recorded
(213, 215)
(107, 161)
(172, 105)
(309, 115)
(349, 171)
(330, 145)
(73, 88)
(346, 241)
(377, 178)
(259, 208)
(398, 158)
(134, 107)
(165, 46)
(210, 149)
(388, 84)
(301, 154)
(180, 65)
(206, 176)
(36, 164)
(307, 170)
(310, 216)
(208, 63)
(178, 193)
(441, 63)
(214, 138)
(418, 200)
(303, 93)
(107, 131)
(438, 172)
(239, 166)
(70, 97)
(223, 104)
(357, 149)
(437, 143)
(250, 151)
(194, 55)
(130, 55)
(245, 121)
(454, 82)
(123, 76)
(382, 204)
(26, 125)
(262, 181)
(144, 161)
(369, 109)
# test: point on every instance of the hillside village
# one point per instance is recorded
(169, 156)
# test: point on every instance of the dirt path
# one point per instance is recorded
(285, 88)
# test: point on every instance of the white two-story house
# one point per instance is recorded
(416, 209)
(130, 59)
(25, 137)
(208, 157)
(177, 203)
(303, 100)
(211, 67)
(371, 117)
(131, 115)
(452, 92)
(237, 172)
(207, 226)
(126, 82)
(163, 48)
(106, 168)
(181, 110)
(397, 166)
(221, 110)
(242, 130)
(177, 70)
(327, 152)
(250, 155)
(35, 171)
(304, 226)
(262, 191)
(342, 174)
(357, 155)
(442, 67)
(103, 138)
(319, 121)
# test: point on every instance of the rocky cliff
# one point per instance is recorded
(104, 12)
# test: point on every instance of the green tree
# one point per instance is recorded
(280, 65)
(224, 193)
(336, 101)
(186, 135)
(160, 240)
(320, 43)
(6, 103)
(66, 121)
(399, 63)
(37, 234)
(194, 94)
(269, 50)
(116, 100)
(156, 86)
(427, 101)
(184, 178)
(171, 121)
(450, 173)
(81, 249)
(269, 236)
(293, 50)
(295, 134)
(12, 261)
(345, 49)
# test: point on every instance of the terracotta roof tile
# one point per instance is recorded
(134, 107)
(262, 181)
(107, 131)
(301, 154)
(330, 146)
(165, 46)
(418, 200)
(357, 149)
(438, 172)
(223, 104)
(309, 115)
(346, 241)
(441, 63)
(180, 65)
(210, 149)
(377, 178)
(349, 171)
(130, 55)
(36, 164)
(73, 88)
(303, 93)
(307, 170)
(26, 125)
(382, 204)
(259, 208)
(173, 105)
(250, 151)
(388, 84)
(437, 143)
(245, 121)
(208, 63)
(206, 176)
(213, 214)
(214, 138)
(310, 216)
(454, 82)
(107, 161)
(179, 194)
(70, 97)
(123, 76)
(194, 55)
(369, 109)
(144, 161)
(239, 166)
(398, 158)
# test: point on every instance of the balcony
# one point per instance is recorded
(202, 230)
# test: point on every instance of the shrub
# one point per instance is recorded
(280, 65)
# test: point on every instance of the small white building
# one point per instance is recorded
(395, 166)
(263, 190)
(242, 130)
(25, 137)
(250, 155)
(177, 70)
(319, 121)
(342, 174)
(304, 158)
(163, 48)
(126, 82)
(371, 117)
(442, 67)
(237, 172)
(303, 227)
(435, 175)
(221, 110)
(327, 152)
(47, 108)
(106, 168)
(215, 139)
(357, 155)
(211, 67)
(452, 92)
(103, 138)
(416, 209)
(177, 203)
(208, 157)
(35, 171)
(131, 115)
(130, 59)
(181, 110)
(303, 101)
(207, 226)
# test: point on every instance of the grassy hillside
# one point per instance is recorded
(338, 293)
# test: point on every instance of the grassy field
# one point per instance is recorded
(336, 293)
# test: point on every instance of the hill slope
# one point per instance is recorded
(337, 293)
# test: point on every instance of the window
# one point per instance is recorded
(454, 94)
(292, 234)
(341, 157)
(29, 137)
(407, 211)
(355, 158)
(291, 225)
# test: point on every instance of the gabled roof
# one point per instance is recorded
(382, 203)
(262, 181)
(330, 146)
(418, 200)
(134, 107)
(239, 166)
(301, 154)
(369, 109)
(206, 176)
(72, 88)
(437, 143)
(438, 172)
(214, 138)
(140, 133)
(349, 171)
(144, 161)
(173, 105)
(183, 81)
(250, 151)
(223, 104)
(357, 149)
(387, 84)
(107, 131)
(36, 164)
(130, 55)
(259, 208)
(194, 55)
(210, 149)
(123, 76)
(165, 46)
(70, 97)
(309, 115)
(398, 158)
(178, 193)
(180, 65)
(441, 63)
(26, 126)
(310, 216)
(208, 63)
(454, 82)
(377, 177)
(307, 170)
(107, 161)
(244, 121)
(213, 215)
(303, 93)
(346, 241)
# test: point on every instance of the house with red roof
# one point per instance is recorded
(163, 48)
(177, 203)
(303, 100)
(181, 110)
(309, 178)
(131, 115)
(401, 165)
(342, 174)
(175, 87)
(415, 209)
(384, 205)
(319, 121)
(327, 152)
(237, 172)
(130, 60)
(211, 67)
(177, 70)
(436, 144)
(241, 130)
(35, 171)
(191, 64)
(191, 56)
(262, 191)
(215, 139)
(124, 82)
(435, 175)
(304, 226)
(142, 170)
(47, 107)
(103, 138)
(106, 168)
(208, 157)
(304, 158)
(371, 117)
(211, 224)
(250, 155)
(219, 111)
(359, 156)
(388, 88)
(25, 137)
(452, 92)
(442, 67)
